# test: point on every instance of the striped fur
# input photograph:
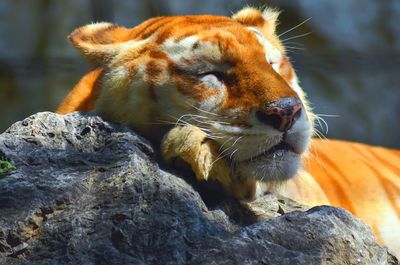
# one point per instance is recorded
(214, 73)
(367, 183)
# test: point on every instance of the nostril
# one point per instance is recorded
(281, 114)
(270, 119)
(296, 115)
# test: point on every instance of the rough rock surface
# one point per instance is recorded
(87, 191)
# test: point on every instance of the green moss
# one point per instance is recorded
(5, 167)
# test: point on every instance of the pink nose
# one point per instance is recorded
(281, 114)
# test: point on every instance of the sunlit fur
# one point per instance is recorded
(360, 178)
(167, 72)
(163, 71)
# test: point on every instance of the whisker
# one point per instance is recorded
(178, 121)
(315, 155)
(192, 116)
(293, 48)
(225, 152)
(295, 27)
(210, 122)
(327, 115)
(183, 122)
(205, 111)
(160, 122)
(296, 37)
(319, 134)
(326, 125)
(222, 146)
(319, 122)
(184, 116)
(319, 118)
(221, 155)
(295, 43)
(237, 140)
(186, 120)
(233, 153)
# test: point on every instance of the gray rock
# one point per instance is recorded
(87, 191)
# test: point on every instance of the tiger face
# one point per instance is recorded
(228, 76)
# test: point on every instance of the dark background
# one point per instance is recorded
(349, 65)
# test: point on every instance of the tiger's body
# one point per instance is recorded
(246, 121)
(360, 178)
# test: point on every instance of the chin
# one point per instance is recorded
(275, 166)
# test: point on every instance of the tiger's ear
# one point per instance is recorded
(101, 42)
(266, 20)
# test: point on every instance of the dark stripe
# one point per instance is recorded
(378, 157)
(390, 188)
(387, 163)
(151, 25)
(333, 165)
(341, 196)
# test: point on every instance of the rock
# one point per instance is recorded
(86, 191)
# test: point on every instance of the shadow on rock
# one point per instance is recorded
(86, 191)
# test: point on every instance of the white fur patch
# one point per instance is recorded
(94, 27)
(272, 54)
(294, 84)
(121, 97)
(176, 50)
(195, 57)
(390, 231)
(124, 48)
(184, 50)
(211, 81)
(213, 103)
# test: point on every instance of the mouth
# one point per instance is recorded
(276, 151)
(279, 163)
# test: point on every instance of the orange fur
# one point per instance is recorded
(361, 178)
(83, 96)
(98, 47)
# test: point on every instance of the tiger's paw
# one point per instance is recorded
(191, 145)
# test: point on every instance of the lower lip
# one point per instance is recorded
(276, 151)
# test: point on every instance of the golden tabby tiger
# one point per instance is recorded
(241, 116)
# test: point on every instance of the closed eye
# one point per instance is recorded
(218, 74)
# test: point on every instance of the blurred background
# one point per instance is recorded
(347, 55)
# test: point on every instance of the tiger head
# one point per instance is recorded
(230, 76)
